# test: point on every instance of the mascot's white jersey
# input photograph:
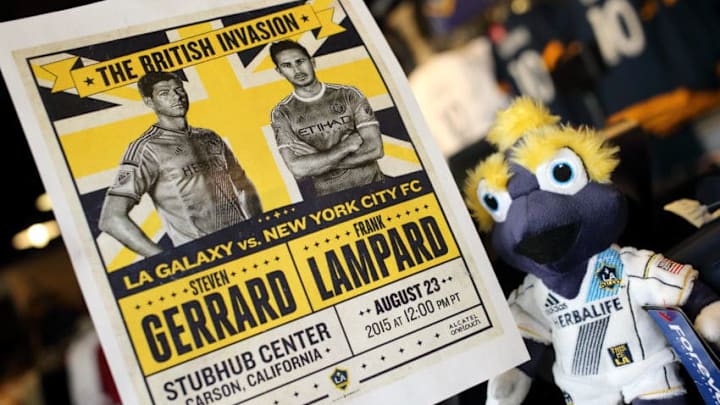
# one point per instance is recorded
(604, 331)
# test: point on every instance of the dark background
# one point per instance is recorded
(22, 181)
(22, 184)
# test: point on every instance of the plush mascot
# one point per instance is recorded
(552, 212)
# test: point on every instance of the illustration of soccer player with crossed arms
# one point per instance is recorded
(325, 132)
(191, 175)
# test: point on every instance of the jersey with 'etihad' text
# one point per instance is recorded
(321, 122)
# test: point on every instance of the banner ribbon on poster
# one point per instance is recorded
(127, 69)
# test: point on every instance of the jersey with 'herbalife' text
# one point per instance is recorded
(604, 333)
(192, 177)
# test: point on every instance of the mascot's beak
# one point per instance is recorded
(550, 245)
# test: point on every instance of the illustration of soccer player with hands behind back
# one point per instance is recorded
(191, 175)
(325, 132)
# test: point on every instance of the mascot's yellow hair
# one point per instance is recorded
(540, 137)
(522, 116)
(494, 170)
(539, 146)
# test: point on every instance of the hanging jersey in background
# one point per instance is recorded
(458, 94)
(660, 70)
(521, 46)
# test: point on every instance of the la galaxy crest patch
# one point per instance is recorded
(340, 378)
(608, 274)
(608, 277)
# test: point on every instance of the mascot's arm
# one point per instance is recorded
(666, 282)
(511, 387)
(508, 388)
(703, 305)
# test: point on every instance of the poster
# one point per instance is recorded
(268, 221)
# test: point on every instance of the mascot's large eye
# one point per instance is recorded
(564, 173)
(495, 202)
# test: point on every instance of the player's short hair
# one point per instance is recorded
(146, 83)
(284, 45)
